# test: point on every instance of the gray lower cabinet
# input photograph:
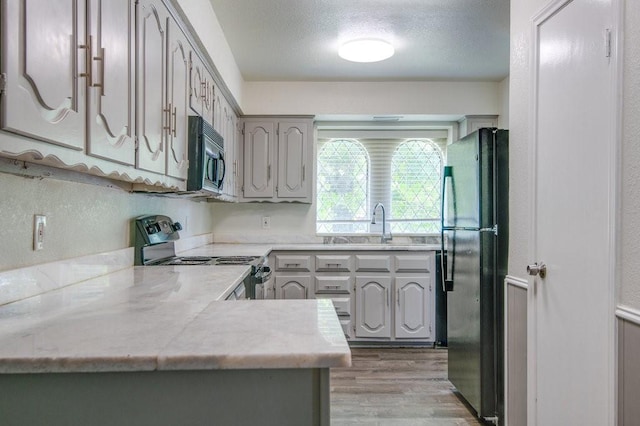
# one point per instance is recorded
(293, 287)
(266, 397)
(373, 308)
(413, 312)
(379, 296)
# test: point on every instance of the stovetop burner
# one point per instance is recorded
(189, 260)
(234, 260)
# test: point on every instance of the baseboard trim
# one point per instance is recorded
(628, 313)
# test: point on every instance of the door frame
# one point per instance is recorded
(614, 199)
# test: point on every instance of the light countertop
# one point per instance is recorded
(166, 318)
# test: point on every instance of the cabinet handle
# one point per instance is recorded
(101, 60)
(387, 293)
(306, 292)
(269, 172)
(332, 287)
(167, 118)
(303, 173)
(87, 61)
(175, 120)
(398, 296)
(289, 265)
(203, 91)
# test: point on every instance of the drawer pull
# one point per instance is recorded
(334, 287)
(290, 265)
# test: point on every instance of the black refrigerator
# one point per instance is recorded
(475, 229)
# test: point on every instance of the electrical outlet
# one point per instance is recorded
(266, 222)
(39, 225)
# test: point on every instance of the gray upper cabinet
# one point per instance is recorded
(153, 116)
(259, 157)
(111, 84)
(46, 61)
(293, 146)
(163, 92)
(69, 74)
(278, 159)
(177, 102)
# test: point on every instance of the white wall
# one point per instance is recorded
(503, 96)
(242, 222)
(520, 90)
(81, 218)
(464, 98)
(629, 292)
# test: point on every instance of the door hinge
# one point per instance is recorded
(242, 130)
(607, 43)
(3, 83)
(430, 327)
(430, 289)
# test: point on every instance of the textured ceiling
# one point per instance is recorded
(298, 40)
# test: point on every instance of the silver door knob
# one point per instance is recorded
(537, 269)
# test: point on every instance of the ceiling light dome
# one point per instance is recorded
(366, 50)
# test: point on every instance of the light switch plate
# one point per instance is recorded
(39, 225)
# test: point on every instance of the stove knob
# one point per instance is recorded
(177, 226)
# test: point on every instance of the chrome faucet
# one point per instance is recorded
(383, 237)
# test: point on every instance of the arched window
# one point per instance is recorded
(342, 187)
(416, 168)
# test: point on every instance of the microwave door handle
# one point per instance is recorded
(224, 171)
(207, 176)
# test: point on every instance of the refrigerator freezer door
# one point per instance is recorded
(463, 322)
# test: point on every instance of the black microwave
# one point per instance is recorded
(206, 158)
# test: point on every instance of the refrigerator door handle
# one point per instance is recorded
(446, 284)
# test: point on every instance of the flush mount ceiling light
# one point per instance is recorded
(366, 50)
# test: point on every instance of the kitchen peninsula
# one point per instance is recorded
(98, 342)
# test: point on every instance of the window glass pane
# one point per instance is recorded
(342, 187)
(416, 168)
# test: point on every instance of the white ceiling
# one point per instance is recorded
(298, 40)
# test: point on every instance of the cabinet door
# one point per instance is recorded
(259, 147)
(293, 145)
(216, 105)
(111, 85)
(413, 297)
(153, 116)
(45, 57)
(228, 134)
(292, 287)
(373, 307)
(177, 103)
(197, 86)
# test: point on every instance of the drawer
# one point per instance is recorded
(413, 263)
(342, 304)
(329, 263)
(373, 263)
(291, 262)
(333, 284)
(345, 322)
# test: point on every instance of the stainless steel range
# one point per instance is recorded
(154, 246)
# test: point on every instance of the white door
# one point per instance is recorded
(292, 157)
(46, 70)
(177, 102)
(373, 307)
(413, 308)
(111, 85)
(571, 336)
(259, 147)
(292, 287)
(152, 114)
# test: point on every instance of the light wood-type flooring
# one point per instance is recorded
(396, 387)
